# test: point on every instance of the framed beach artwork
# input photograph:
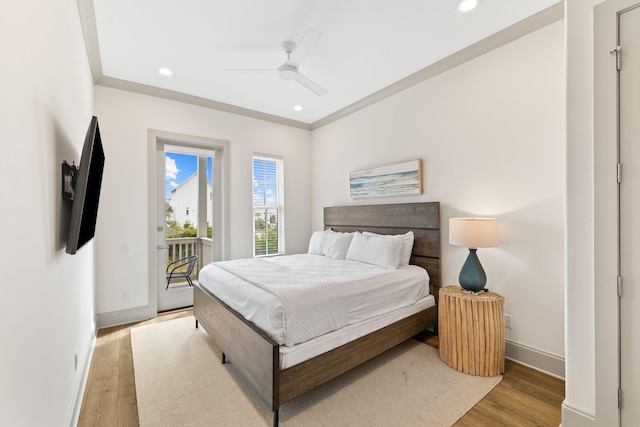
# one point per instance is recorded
(397, 179)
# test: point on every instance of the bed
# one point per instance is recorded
(268, 365)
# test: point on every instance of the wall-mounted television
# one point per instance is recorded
(81, 187)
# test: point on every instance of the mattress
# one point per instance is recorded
(370, 290)
(291, 356)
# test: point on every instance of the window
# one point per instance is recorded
(268, 206)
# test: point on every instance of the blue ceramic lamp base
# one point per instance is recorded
(472, 276)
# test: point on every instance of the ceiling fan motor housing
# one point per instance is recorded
(288, 72)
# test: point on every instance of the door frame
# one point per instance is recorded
(221, 238)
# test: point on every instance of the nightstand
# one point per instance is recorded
(471, 331)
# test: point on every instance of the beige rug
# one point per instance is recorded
(180, 381)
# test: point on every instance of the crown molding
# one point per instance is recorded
(199, 101)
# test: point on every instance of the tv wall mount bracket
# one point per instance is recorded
(69, 172)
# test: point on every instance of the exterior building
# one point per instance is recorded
(184, 201)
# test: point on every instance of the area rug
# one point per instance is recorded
(180, 381)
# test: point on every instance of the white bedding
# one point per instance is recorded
(312, 304)
(290, 356)
(369, 290)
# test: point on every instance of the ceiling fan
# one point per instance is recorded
(295, 55)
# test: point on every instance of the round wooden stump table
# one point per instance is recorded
(471, 331)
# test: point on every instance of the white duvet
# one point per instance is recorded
(298, 297)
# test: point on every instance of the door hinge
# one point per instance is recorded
(619, 286)
(617, 51)
(619, 173)
(619, 398)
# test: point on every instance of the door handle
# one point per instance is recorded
(162, 247)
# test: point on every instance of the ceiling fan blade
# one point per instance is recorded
(310, 84)
(309, 39)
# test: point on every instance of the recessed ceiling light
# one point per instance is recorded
(298, 107)
(467, 5)
(165, 71)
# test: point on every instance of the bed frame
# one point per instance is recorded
(257, 357)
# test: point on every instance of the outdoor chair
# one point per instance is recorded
(175, 270)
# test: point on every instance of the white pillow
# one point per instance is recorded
(376, 249)
(330, 243)
(407, 245)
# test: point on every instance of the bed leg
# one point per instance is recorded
(276, 418)
(224, 358)
(196, 323)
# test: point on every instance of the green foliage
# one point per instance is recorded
(266, 234)
(175, 230)
(189, 229)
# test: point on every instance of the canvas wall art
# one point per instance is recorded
(397, 179)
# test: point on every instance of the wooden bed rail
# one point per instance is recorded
(242, 343)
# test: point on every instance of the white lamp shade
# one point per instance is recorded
(473, 232)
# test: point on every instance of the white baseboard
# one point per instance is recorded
(122, 317)
(536, 359)
(82, 379)
(572, 417)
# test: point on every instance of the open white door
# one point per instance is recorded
(189, 212)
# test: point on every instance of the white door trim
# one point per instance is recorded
(221, 239)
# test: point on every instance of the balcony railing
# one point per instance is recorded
(183, 247)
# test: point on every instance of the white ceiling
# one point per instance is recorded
(365, 45)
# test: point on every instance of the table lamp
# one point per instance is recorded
(473, 233)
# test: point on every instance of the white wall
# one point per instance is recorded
(47, 295)
(125, 119)
(491, 134)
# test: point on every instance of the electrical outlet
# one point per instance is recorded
(124, 296)
(75, 361)
(507, 321)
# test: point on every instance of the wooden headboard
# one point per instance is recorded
(421, 218)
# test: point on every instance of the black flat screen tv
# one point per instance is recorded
(85, 192)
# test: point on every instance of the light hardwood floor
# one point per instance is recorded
(524, 397)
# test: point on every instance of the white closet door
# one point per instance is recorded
(629, 32)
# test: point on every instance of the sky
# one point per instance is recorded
(264, 182)
(180, 167)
